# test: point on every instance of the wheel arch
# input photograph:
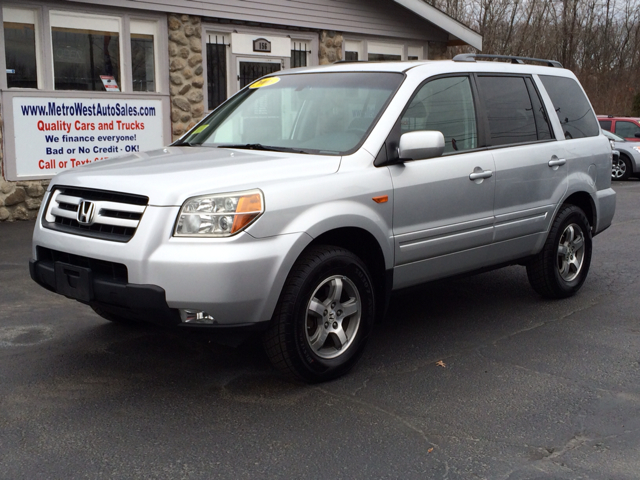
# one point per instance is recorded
(364, 245)
(631, 160)
(585, 202)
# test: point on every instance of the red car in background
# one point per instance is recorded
(625, 127)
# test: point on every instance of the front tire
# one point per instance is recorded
(561, 268)
(323, 317)
(621, 169)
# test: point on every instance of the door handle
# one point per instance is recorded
(557, 162)
(480, 174)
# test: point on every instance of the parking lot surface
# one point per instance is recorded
(467, 378)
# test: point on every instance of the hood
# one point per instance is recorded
(171, 175)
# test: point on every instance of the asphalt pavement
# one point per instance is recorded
(465, 379)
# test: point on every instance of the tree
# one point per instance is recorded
(599, 40)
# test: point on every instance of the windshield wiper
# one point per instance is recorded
(259, 146)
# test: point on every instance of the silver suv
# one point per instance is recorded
(298, 205)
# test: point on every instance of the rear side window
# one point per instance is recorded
(445, 105)
(509, 110)
(571, 105)
(605, 124)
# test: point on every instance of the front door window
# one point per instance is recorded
(626, 129)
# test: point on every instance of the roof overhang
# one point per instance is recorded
(461, 33)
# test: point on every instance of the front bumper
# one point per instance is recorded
(135, 302)
(236, 280)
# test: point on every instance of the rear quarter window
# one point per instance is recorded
(572, 107)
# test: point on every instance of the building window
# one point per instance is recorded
(20, 47)
(299, 54)
(366, 50)
(143, 70)
(353, 51)
(414, 53)
(217, 69)
(379, 52)
(85, 58)
(87, 51)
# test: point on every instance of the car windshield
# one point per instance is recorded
(327, 113)
(612, 136)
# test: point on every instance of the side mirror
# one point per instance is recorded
(421, 144)
(637, 135)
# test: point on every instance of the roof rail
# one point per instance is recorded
(471, 57)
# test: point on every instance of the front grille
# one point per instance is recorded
(99, 268)
(111, 216)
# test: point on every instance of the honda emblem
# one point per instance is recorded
(86, 211)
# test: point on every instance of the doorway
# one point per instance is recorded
(250, 69)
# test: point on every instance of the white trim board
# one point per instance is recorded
(444, 21)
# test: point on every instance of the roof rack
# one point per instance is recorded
(471, 57)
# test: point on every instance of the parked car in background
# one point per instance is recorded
(625, 127)
(627, 164)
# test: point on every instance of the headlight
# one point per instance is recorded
(613, 144)
(219, 215)
(637, 149)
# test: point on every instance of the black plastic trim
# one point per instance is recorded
(136, 302)
(471, 57)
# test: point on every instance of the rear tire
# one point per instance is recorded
(561, 268)
(323, 317)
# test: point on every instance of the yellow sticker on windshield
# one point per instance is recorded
(200, 128)
(265, 82)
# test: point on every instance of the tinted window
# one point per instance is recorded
(539, 113)
(605, 124)
(445, 105)
(509, 110)
(571, 105)
(626, 129)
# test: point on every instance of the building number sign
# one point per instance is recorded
(261, 45)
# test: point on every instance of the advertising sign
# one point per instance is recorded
(55, 134)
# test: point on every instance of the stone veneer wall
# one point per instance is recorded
(330, 47)
(18, 200)
(185, 67)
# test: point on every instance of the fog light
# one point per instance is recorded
(196, 316)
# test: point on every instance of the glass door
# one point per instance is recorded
(250, 69)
